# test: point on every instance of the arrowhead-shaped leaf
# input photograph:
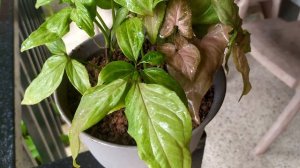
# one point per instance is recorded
(84, 15)
(94, 105)
(51, 30)
(47, 81)
(78, 75)
(153, 23)
(115, 70)
(160, 124)
(212, 48)
(130, 37)
(178, 14)
(183, 56)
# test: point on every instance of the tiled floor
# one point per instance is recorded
(233, 133)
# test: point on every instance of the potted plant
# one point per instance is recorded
(170, 51)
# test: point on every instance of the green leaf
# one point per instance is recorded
(121, 15)
(153, 23)
(227, 12)
(130, 37)
(94, 106)
(40, 3)
(153, 58)
(161, 77)
(51, 30)
(84, 15)
(66, 1)
(115, 70)
(78, 75)
(47, 81)
(104, 4)
(203, 12)
(144, 7)
(57, 47)
(160, 124)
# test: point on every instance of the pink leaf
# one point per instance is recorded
(178, 14)
(212, 48)
(183, 56)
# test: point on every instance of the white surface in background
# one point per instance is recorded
(76, 36)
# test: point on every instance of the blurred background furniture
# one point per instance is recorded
(276, 45)
(270, 7)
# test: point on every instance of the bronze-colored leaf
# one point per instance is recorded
(183, 56)
(212, 48)
(178, 14)
(240, 60)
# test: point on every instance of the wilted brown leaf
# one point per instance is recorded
(240, 60)
(212, 48)
(183, 56)
(178, 14)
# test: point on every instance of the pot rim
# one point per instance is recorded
(219, 82)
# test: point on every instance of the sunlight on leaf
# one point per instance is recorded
(51, 30)
(130, 37)
(160, 124)
(47, 81)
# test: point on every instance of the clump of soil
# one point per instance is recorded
(113, 127)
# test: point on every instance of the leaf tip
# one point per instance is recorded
(27, 102)
(75, 164)
(23, 47)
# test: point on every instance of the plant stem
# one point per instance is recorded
(106, 37)
(113, 11)
(102, 23)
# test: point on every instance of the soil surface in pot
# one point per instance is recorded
(113, 127)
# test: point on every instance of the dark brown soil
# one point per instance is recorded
(206, 103)
(113, 128)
